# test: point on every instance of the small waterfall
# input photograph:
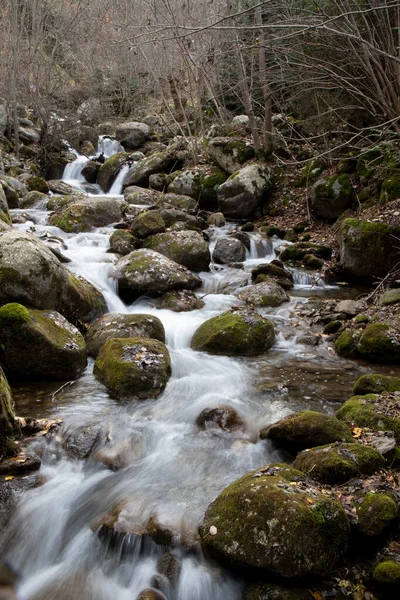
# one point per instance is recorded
(303, 279)
(108, 146)
(116, 188)
(260, 247)
(73, 171)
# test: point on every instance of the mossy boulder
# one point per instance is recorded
(272, 271)
(31, 275)
(366, 249)
(297, 251)
(380, 342)
(8, 425)
(201, 184)
(145, 197)
(77, 214)
(4, 214)
(390, 297)
(377, 412)
(116, 325)
(175, 215)
(245, 191)
(109, 170)
(331, 196)
(187, 248)
(337, 463)
(37, 184)
(310, 173)
(90, 171)
(132, 134)
(390, 190)
(148, 223)
(387, 572)
(158, 162)
(376, 514)
(179, 301)
(220, 417)
(229, 153)
(266, 293)
(133, 368)
(235, 332)
(272, 591)
(346, 343)
(123, 242)
(37, 344)
(145, 270)
(34, 200)
(265, 521)
(306, 429)
(375, 384)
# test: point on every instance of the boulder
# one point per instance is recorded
(37, 184)
(229, 153)
(245, 191)
(8, 425)
(140, 196)
(367, 250)
(270, 271)
(339, 462)
(29, 135)
(123, 242)
(187, 248)
(31, 275)
(56, 186)
(148, 223)
(80, 134)
(158, 162)
(116, 325)
(174, 215)
(201, 184)
(36, 344)
(390, 297)
(306, 429)
(57, 162)
(380, 342)
(387, 573)
(4, 214)
(346, 343)
(267, 293)
(265, 521)
(228, 250)
(375, 514)
(299, 250)
(132, 134)
(331, 196)
(145, 270)
(377, 412)
(216, 219)
(74, 214)
(109, 170)
(374, 383)
(179, 301)
(221, 417)
(133, 368)
(90, 171)
(235, 332)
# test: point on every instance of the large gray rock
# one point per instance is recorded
(187, 248)
(245, 191)
(31, 275)
(201, 184)
(132, 134)
(145, 270)
(109, 170)
(28, 135)
(267, 293)
(229, 153)
(228, 250)
(158, 162)
(330, 196)
(36, 344)
(75, 214)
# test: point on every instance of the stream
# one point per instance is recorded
(172, 470)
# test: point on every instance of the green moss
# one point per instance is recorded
(361, 319)
(241, 151)
(390, 297)
(376, 513)
(312, 262)
(299, 250)
(365, 411)
(37, 184)
(375, 384)
(378, 343)
(13, 312)
(346, 343)
(332, 327)
(387, 571)
(390, 190)
(148, 223)
(366, 227)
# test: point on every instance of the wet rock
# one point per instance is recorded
(201, 184)
(332, 327)
(221, 417)
(306, 429)
(160, 582)
(338, 462)
(109, 170)
(235, 332)
(228, 250)
(116, 325)
(216, 219)
(331, 196)
(151, 595)
(37, 184)
(376, 514)
(158, 162)
(244, 192)
(76, 214)
(37, 344)
(4, 214)
(377, 412)
(229, 153)
(60, 187)
(299, 250)
(179, 301)
(350, 308)
(308, 340)
(119, 454)
(375, 384)
(123, 242)
(267, 293)
(133, 368)
(8, 425)
(283, 277)
(174, 215)
(90, 171)
(380, 342)
(263, 521)
(34, 200)
(170, 566)
(132, 134)
(148, 271)
(31, 275)
(10, 492)
(80, 443)
(187, 248)
(23, 462)
(346, 343)
(148, 223)
(160, 533)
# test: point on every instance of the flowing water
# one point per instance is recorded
(171, 471)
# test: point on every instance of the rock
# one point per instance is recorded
(187, 248)
(173, 215)
(245, 191)
(34, 200)
(57, 162)
(306, 429)
(31, 275)
(151, 595)
(201, 184)
(61, 188)
(263, 521)
(79, 443)
(109, 170)
(235, 332)
(3, 116)
(158, 162)
(179, 301)
(380, 342)
(377, 412)
(312, 262)
(10, 492)
(221, 417)
(116, 325)
(272, 591)
(375, 514)
(37, 344)
(351, 308)
(8, 426)
(375, 384)
(390, 297)
(132, 134)
(170, 566)
(37, 184)
(229, 153)
(387, 572)
(268, 272)
(74, 214)
(148, 223)
(4, 214)
(331, 196)
(133, 368)
(80, 134)
(28, 135)
(90, 171)
(366, 249)
(337, 463)
(267, 293)
(299, 250)
(21, 462)
(228, 250)
(216, 219)
(123, 242)
(346, 343)
(140, 196)
(390, 190)
(144, 271)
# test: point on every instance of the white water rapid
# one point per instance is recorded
(172, 470)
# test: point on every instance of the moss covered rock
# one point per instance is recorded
(109, 170)
(297, 251)
(220, 417)
(390, 297)
(123, 242)
(338, 462)
(133, 368)
(148, 223)
(264, 521)
(158, 162)
(272, 271)
(267, 293)
(375, 384)
(4, 214)
(331, 196)
(56, 186)
(34, 200)
(145, 270)
(37, 344)
(90, 171)
(228, 250)
(387, 572)
(179, 301)
(187, 248)
(376, 513)
(229, 153)
(201, 184)
(346, 343)
(30, 274)
(8, 425)
(380, 413)
(380, 342)
(390, 190)
(116, 325)
(37, 184)
(245, 191)
(306, 429)
(235, 332)
(76, 214)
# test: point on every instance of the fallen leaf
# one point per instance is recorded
(9, 477)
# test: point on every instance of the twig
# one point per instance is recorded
(61, 388)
